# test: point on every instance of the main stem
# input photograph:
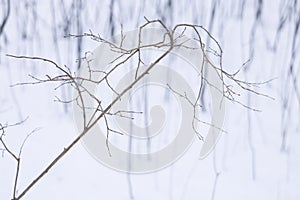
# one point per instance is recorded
(86, 129)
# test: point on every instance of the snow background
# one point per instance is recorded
(254, 159)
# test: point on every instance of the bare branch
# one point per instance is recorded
(169, 40)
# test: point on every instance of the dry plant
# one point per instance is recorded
(168, 42)
(15, 156)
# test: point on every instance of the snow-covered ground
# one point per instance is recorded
(252, 160)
